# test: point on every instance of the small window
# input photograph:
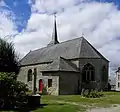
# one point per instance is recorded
(118, 84)
(118, 77)
(49, 82)
(29, 75)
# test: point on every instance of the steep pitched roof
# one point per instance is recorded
(71, 49)
(54, 34)
(60, 64)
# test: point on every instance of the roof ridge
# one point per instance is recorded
(94, 48)
(57, 44)
(80, 45)
(70, 49)
(25, 55)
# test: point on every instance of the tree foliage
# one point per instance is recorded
(13, 91)
(8, 58)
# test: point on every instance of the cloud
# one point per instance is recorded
(51, 6)
(7, 27)
(2, 3)
(36, 34)
(99, 22)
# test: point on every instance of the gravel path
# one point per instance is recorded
(114, 108)
(110, 109)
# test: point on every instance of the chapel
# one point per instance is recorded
(64, 67)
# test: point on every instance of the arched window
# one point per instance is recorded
(29, 75)
(88, 73)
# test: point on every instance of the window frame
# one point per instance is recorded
(118, 77)
(118, 84)
(49, 83)
(29, 75)
(88, 72)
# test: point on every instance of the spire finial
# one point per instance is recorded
(82, 34)
(54, 34)
(55, 15)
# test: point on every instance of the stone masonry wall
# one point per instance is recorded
(98, 64)
(67, 77)
(68, 83)
(24, 71)
(54, 90)
(55, 79)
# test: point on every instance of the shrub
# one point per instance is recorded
(14, 91)
(44, 90)
(92, 93)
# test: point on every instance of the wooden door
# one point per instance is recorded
(40, 85)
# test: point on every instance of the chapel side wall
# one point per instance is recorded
(54, 90)
(68, 83)
(98, 64)
(22, 76)
(106, 64)
(64, 84)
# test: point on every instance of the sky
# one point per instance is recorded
(29, 24)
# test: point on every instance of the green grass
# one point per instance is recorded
(76, 103)
(109, 98)
(56, 107)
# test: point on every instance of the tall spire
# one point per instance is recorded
(54, 34)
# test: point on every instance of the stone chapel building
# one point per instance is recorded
(64, 67)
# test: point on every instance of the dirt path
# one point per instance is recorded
(110, 109)
(114, 108)
(71, 103)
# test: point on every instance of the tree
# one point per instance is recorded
(8, 57)
(14, 91)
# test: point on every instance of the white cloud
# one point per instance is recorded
(99, 22)
(2, 3)
(51, 6)
(7, 27)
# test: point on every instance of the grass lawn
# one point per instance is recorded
(76, 103)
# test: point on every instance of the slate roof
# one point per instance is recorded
(71, 49)
(61, 64)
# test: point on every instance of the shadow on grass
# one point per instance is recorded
(26, 108)
(23, 109)
(42, 106)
